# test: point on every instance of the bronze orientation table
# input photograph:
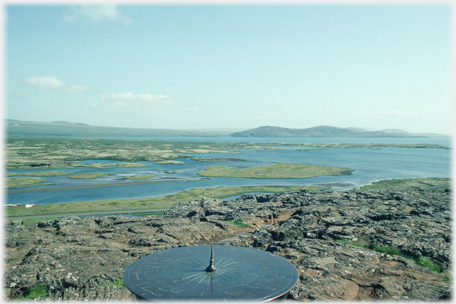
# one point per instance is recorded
(207, 272)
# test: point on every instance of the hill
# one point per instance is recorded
(322, 131)
(21, 129)
(65, 129)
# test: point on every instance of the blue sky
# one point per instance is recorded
(231, 66)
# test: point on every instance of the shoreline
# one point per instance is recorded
(94, 186)
(158, 202)
(167, 201)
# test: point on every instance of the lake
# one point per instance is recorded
(369, 164)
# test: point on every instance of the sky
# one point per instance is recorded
(207, 66)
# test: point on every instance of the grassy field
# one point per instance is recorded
(89, 175)
(42, 174)
(52, 153)
(170, 162)
(49, 153)
(428, 183)
(12, 182)
(147, 203)
(278, 170)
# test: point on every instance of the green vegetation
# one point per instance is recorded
(118, 283)
(391, 250)
(34, 221)
(278, 170)
(428, 183)
(446, 277)
(425, 262)
(149, 203)
(12, 182)
(38, 290)
(89, 175)
(140, 176)
(43, 174)
(419, 260)
(239, 223)
(51, 153)
(170, 162)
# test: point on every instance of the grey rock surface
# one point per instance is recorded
(321, 233)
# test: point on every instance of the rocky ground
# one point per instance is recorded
(321, 233)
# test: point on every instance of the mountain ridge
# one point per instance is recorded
(326, 131)
(17, 128)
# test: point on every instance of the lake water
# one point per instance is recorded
(369, 164)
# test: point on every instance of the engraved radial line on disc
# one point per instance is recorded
(227, 263)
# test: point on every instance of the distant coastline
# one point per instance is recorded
(63, 129)
(328, 131)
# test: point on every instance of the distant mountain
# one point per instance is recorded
(63, 129)
(398, 131)
(69, 123)
(357, 129)
(320, 131)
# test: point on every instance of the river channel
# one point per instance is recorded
(369, 165)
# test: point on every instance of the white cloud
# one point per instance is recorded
(132, 101)
(45, 82)
(98, 13)
(50, 82)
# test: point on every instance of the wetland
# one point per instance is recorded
(43, 171)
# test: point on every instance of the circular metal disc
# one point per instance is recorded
(241, 274)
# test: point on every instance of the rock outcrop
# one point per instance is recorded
(333, 238)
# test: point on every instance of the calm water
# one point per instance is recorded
(369, 165)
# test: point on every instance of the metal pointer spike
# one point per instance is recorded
(211, 267)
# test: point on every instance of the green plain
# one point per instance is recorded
(278, 170)
(427, 183)
(12, 182)
(44, 174)
(52, 153)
